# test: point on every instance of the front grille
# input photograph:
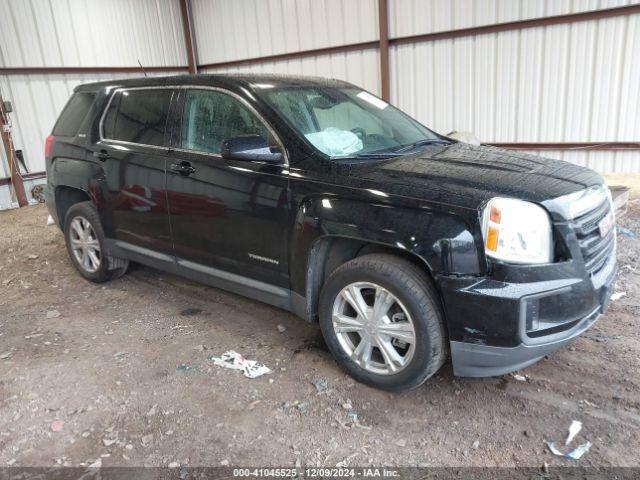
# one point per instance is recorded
(595, 249)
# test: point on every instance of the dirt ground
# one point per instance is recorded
(124, 365)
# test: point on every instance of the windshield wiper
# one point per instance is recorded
(376, 155)
(419, 143)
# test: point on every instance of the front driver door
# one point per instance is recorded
(226, 215)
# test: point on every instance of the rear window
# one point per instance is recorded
(138, 116)
(73, 114)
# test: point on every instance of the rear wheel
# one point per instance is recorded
(382, 320)
(86, 246)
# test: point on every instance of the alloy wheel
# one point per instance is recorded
(374, 328)
(85, 244)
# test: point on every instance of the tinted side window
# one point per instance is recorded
(209, 117)
(138, 116)
(73, 114)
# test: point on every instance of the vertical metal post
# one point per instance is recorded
(185, 11)
(12, 160)
(383, 19)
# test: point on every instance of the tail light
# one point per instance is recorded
(47, 145)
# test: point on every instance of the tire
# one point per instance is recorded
(101, 266)
(415, 302)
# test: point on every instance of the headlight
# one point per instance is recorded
(516, 231)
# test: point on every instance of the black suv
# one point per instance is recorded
(322, 199)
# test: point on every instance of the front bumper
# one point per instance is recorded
(490, 320)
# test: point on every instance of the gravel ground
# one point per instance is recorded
(119, 373)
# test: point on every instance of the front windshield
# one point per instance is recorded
(346, 121)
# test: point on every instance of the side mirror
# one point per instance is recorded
(249, 148)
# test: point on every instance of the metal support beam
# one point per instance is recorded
(383, 22)
(16, 178)
(185, 11)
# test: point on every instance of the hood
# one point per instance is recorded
(467, 176)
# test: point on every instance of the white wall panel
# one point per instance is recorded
(622, 161)
(361, 68)
(237, 29)
(563, 83)
(56, 33)
(414, 17)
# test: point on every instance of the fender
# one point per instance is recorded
(86, 176)
(443, 241)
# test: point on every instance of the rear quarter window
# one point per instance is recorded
(138, 116)
(74, 113)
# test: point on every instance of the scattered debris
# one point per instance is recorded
(476, 445)
(620, 196)
(200, 348)
(574, 454)
(281, 328)
(321, 384)
(224, 462)
(96, 464)
(107, 442)
(574, 429)
(174, 465)
(520, 378)
(57, 425)
(50, 221)
(353, 416)
(618, 295)
(235, 361)
(146, 439)
(53, 314)
(590, 404)
(152, 411)
(347, 405)
(626, 232)
(5, 355)
(183, 367)
(32, 256)
(345, 462)
(402, 442)
(577, 452)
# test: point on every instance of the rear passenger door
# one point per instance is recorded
(134, 147)
(229, 215)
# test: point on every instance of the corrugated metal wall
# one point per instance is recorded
(361, 68)
(228, 30)
(576, 82)
(413, 17)
(236, 29)
(90, 33)
(562, 83)
(36, 33)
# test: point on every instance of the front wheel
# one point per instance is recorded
(86, 246)
(381, 319)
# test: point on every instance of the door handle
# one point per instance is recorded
(101, 155)
(183, 168)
